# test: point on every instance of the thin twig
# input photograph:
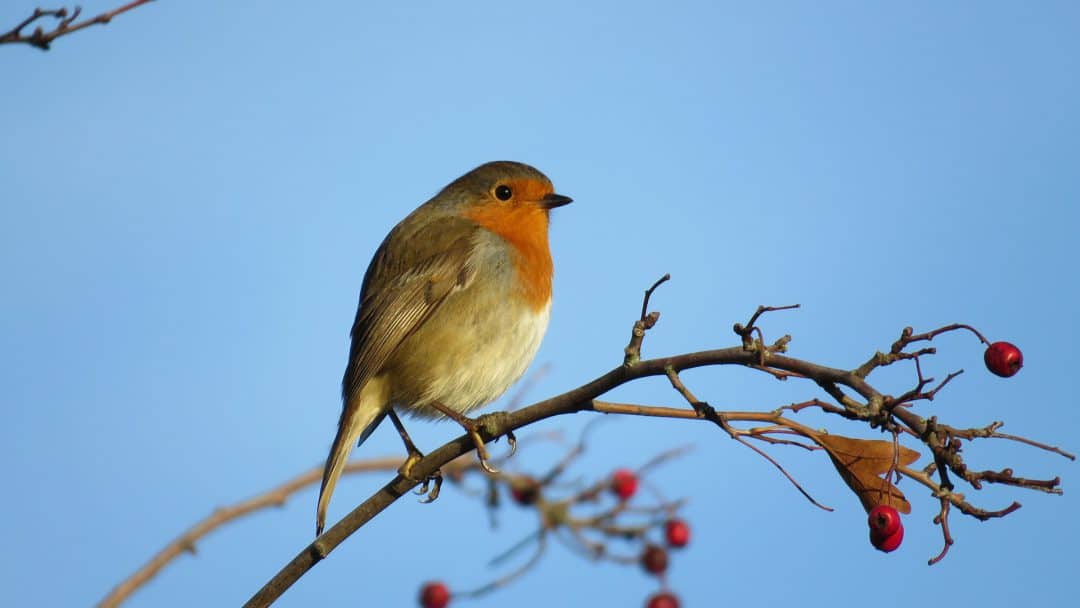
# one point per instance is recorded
(942, 519)
(708, 412)
(41, 39)
(649, 292)
(526, 386)
(274, 497)
(955, 498)
(632, 352)
(502, 581)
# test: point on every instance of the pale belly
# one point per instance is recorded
(467, 363)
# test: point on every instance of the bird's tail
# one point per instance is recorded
(359, 418)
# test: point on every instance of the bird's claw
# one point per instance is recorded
(435, 477)
(481, 452)
(484, 464)
(472, 428)
(512, 441)
(406, 471)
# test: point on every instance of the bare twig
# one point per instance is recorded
(991, 432)
(632, 352)
(649, 292)
(720, 419)
(65, 24)
(744, 330)
(526, 386)
(502, 581)
(955, 498)
(907, 337)
(274, 497)
(942, 519)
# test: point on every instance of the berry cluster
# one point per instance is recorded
(622, 485)
(886, 530)
(654, 558)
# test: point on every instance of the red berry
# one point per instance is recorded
(884, 520)
(525, 491)
(654, 559)
(434, 595)
(887, 543)
(1003, 359)
(677, 533)
(664, 599)
(624, 483)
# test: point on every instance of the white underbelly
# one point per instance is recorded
(498, 355)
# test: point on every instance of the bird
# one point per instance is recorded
(452, 309)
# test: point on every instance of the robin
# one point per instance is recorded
(452, 310)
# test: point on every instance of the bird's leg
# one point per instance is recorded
(472, 428)
(414, 457)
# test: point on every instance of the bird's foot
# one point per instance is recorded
(490, 424)
(414, 457)
(405, 470)
(429, 485)
(472, 427)
(434, 482)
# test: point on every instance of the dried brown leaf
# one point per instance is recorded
(862, 464)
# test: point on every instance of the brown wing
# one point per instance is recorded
(402, 289)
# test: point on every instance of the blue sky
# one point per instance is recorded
(190, 196)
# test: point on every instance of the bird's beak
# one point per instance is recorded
(555, 200)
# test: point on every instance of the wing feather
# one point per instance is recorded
(411, 288)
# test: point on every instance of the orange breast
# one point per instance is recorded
(525, 228)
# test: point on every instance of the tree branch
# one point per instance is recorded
(583, 399)
(185, 543)
(867, 466)
(65, 25)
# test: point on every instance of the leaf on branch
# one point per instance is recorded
(862, 462)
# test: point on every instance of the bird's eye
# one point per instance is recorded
(503, 192)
